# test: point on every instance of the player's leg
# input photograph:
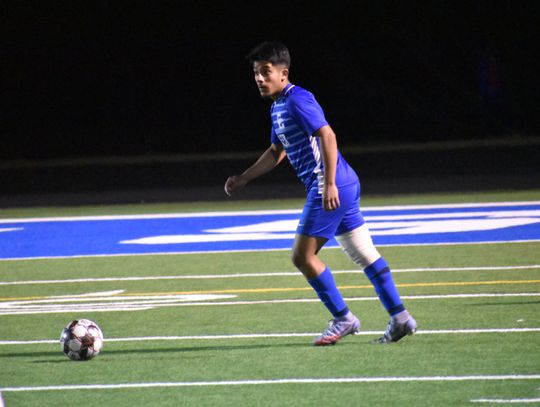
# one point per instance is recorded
(359, 246)
(305, 255)
(316, 226)
(317, 274)
(320, 277)
(354, 237)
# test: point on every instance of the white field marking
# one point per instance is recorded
(401, 220)
(396, 221)
(318, 380)
(111, 295)
(249, 275)
(108, 302)
(480, 268)
(83, 297)
(388, 229)
(10, 230)
(85, 256)
(29, 308)
(72, 309)
(259, 212)
(506, 401)
(155, 216)
(446, 226)
(280, 335)
(350, 299)
(456, 215)
(379, 225)
(201, 238)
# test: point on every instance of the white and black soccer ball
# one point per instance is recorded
(81, 339)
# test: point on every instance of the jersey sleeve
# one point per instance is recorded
(308, 113)
(273, 137)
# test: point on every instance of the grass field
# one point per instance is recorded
(477, 306)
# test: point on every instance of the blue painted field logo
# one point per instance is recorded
(380, 225)
(279, 229)
(258, 230)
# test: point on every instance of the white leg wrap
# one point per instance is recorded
(358, 245)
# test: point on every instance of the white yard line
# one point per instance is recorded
(366, 209)
(158, 216)
(30, 307)
(90, 256)
(481, 268)
(280, 335)
(350, 299)
(85, 256)
(321, 380)
(506, 401)
(272, 274)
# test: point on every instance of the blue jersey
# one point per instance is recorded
(296, 115)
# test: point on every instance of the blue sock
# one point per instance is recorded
(325, 287)
(380, 276)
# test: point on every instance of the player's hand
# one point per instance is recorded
(330, 198)
(234, 183)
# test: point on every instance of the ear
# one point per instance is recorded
(284, 74)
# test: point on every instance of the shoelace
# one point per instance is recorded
(386, 336)
(332, 328)
(389, 329)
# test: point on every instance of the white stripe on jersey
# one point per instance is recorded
(307, 153)
(317, 169)
(316, 154)
(306, 171)
(300, 140)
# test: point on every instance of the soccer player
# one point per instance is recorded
(300, 132)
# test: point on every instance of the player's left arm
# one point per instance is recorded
(330, 156)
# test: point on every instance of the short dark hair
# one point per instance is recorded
(271, 51)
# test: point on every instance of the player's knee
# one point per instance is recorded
(302, 260)
(299, 259)
(359, 247)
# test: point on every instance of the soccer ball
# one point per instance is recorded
(81, 340)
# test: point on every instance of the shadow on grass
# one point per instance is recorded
(168, 350)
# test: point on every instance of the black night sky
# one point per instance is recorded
(145, 78)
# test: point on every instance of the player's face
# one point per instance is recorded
(270, 79)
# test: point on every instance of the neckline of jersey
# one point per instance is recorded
(285, 90)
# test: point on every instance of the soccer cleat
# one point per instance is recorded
(396, 331)
(337, 329)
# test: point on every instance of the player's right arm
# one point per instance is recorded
(266, 162)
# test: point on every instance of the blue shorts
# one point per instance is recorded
(316, 222)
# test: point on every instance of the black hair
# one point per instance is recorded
(271, 51)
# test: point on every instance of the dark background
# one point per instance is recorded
(137, 81)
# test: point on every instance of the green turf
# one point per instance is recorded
(266, 358)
